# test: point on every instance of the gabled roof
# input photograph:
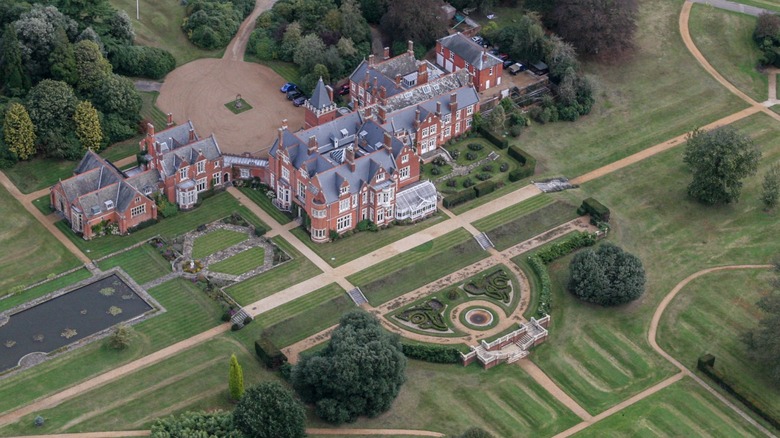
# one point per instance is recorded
(470, 51)
(120, 195)
(320, 98)
(173, 159)
(176, 136)
(421, 93)
(366, 167)
(359, 75)
(93, 173)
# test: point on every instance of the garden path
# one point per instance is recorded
(310, 431)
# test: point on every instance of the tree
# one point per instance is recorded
(420, 21)
(19, 132)
(62, 60)
(561, 56)
(14, 77)
(767, 36)
(37, 32)
(93, 69)
(598, 27)
(88, 129)
(309, 52)
(236, 379)
(770, 192)
(290, 40)
(51, 105)
(373, 10)
(270, 411)
(719, 160)
(496, 119)
(121, 28)
(196, 424)
(121, 337)
(359, 373)
(353, 24)
(476, 432)
(607, 276)
(762, 342)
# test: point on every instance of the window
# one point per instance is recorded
(244, 173)
(216, 164)
(404, 172)
(442, 50)
(343, 205)
(365, 197)
(380, 215)
(447, 132)
(425, 132)
(457, 127)
(380, 177)
(457, 115)
(302, 191)
(447, 118)
(344, 190)
(432, 144)
(344, 222)
(201, 185)
(137, 211)
(470, 110)
(217, 179)
(364, 214)
(433, 130)
(404, 160)
(491, 71)
(360, 92)
(468, 123)
(304, 173)
(201, 166)
(285, 174)
(354, 201)
(318, 233)
(465, 64)
(183, 173)
(452, 55)
(318, 213)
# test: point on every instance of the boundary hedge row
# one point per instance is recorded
(492, 137)
(595, 209)
(431, 353)
(269, 353)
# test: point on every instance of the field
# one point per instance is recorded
(418, 266)
(29, 252)
(682, 409)
(215, 241)
(708, 316)
(143, 263)
(262, 200)
(242, 262)
(734, 53)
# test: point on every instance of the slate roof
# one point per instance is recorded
(145, 182)
(470, 51)
(176, 136)
(359, 75)
(120, 194)
(421, 93)
(92, 173)
(319, 97)
(366, 167)
(188, 154)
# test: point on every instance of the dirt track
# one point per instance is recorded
(199, 90)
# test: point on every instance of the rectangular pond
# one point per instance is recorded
(68, 318)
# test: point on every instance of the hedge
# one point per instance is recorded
(484, 188)
(527, 163)
(706, 364)
(492, 137)
(269, 353)
(459, 197)
(432, 353)
(595, 209)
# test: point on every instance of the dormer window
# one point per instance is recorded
(201, 166)
(344, 190)
(109, 204)
(183, 173)
(379, 177)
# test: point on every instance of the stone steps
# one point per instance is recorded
(357, 296)
(484, 241)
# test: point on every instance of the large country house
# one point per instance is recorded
(458, 51)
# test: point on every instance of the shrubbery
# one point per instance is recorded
(431, 353)
(269, 353)
(595, 209)
(608, 276)
(767, 36)
(212, 24)
(142, 61)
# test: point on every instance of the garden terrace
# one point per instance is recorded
(143, 263)
(476, 160)
(259, 197)
(240, 263)
(212, 241)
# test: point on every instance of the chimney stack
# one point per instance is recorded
(149, 130)
(330, 92)
(410, 47)
(369, 114)
(375, 88)
(284, 123)
(281, 137)
(453, 97)
(438, 109)
(388, 143)
(170, 119)
(382, 114)
(313, 145)
(484, 56)
(350, 157)
(371, 60)
(398, 80)
(470, 82)
(382, 92)
(386, 54)
(422, 73)
(192, 136)
(416, 119)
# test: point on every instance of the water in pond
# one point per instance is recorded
(68, 318)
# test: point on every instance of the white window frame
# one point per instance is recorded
(302, 190)
(285, 174)
(201, 185)
(380, 215)
(344, 222)
(425, 132)
(138, 210)
(200, 166)
(470, 110)
(318, 213)
(379, 177)
(217, 178)
(404, 160)
(183, 173)
(468, 123)
(343, 190)
(318, 233)
(344, 205)
(244, 173)
(433, 130)
(404, 173)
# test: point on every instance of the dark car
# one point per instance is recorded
(503, 56)
(344, 90)
(287, 87)
(294, 94)
(299, 101)
(508, 62)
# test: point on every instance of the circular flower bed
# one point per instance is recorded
(478, 318)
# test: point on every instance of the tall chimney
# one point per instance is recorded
(410, 47)
(438, 109)
(382, 92)
(382, 114)
(484, 56)
(313, 145)
(192, 136)
(349, 157)
(416, 119)
(281, 137)
(470, 82)
(149, 130)
(330, 92)
(398, 79)
(422, 73)
(375, 88)
(284, 123)
(369, 114)
(386, 54)
(371, 60)
(170, 119)
(388, 143)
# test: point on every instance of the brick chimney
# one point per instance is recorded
(170, 119)
(149, 130)
(375, 88)
(382, 92)
(192, 136)
(484, 56)
(398, 80)
(349, 157)
(313, 145)
(386, 54)
(470, 80)
(422, 73)
(453, 103)
(369, 113)
(382, 114)
(388, 142)
(410, 47)
(281, 137)
(371, 60)
(438, 109)
(284, 123)
(329, 89)
(416, 119)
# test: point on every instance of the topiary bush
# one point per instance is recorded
(607, 276)
(475, 146)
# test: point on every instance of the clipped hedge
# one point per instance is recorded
(459, 198)
(484, 188)
(431, 353)
(595, 209)
(706, 364)
(269, 353)
(494, 138)
(527, 164)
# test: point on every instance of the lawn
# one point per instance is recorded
(287, 70)
(279, 278)
(240, 263)
(773, 5)
(215, 241)
(143, 263)
(652, 217)
(29, 252)
(467, 156)
(682, 409)
(259, 198)
(43, 204)
(708, 316)
(43, 289)
(133, 401)
(450, 398)
(656, 93)
(238, 110)
(726, 40)
(349, 248)
(160, 26)
(419, 266)
(188, 312)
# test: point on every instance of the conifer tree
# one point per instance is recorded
(12, 74)
(19, 132)
(236, 380)
(88, 126)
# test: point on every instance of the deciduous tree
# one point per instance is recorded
(496, 119)
(719, 160)
(770, 189)
(762, 342)
(236, 379)
(420, 21)
(19, 132)
(36, 31)
(62, 61)
(93, 69)
(270, 411)
(88, 129)
(598, 27)
(196, 425)
(607, 276)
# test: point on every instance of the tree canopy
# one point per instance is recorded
(763, 344)
(597, 27)
(719, 160)
(607, 276)
(420, 21)
(770, 188)
(270, 411)
(359, 373)
(767, 36)
(19, 132)
(196, 424)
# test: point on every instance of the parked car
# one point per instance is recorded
(287, 87)
(294, 94)
(508, 62)
(516, 68)
(477, 39)
(503, 56)
(299, 101)
(344, 90)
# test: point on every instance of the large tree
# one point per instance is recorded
(607, 276)
(767, 36)
(196, 424)
(62, 61)
(762, 343)
(92, 68)
(719, 160)
(88, 129)
(37, 33)
(598, 27)
(14, 78)
(770, 189)
(420, 21)
(270, 411)
(19, 132)
(51, 105)
(359, 373)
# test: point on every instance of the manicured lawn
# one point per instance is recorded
(418, 266)
(29, 252)
(43, 289)
(504, 401)
(150, 111)
(143, 264)
(242, 262)
(238, 110)
(655, 94)
(349, 248)
(160, 26)
(42, 204)
(773, 5)
(189, 312)
(708, 316)
(215, 241)
(682, 409)
(39, 173)
(726, 40)
(135, 400)
(259, 198)
(279, 278)
(287, 70)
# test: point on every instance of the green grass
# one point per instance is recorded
(642, 100)
(160, 26)
(422, 264)
(682, 409)
(43, 289)
(215, 241)
(232, 106)
(349, 248)
(287, 70)
(43, 204)
(708, 316)
(240, 263)
(29, 252)
(772, 5)
(495, 173)
(263, 202)
(133, 401)
(39, 173)
(504, 401)
(279, 278)
(149, 110)
(189, 312)
(143, 263)
(726, 40)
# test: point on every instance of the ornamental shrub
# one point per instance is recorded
(607, 276)
(471, 156)
(475, 146)
(431, 353)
